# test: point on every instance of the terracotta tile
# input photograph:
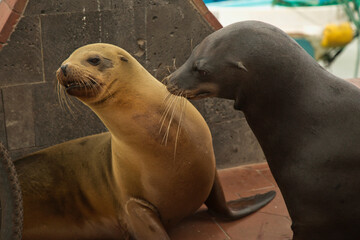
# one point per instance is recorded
(268, 175)
(269, 223)
(5, 12)
(259, 226)
(202, 208)
(200, 6)
(199, 226)
(237, 180)
(204, 11)
(17, 5)
(214, 22)
(229, 195)
(8, 20)
(276, 206)
(258, 166)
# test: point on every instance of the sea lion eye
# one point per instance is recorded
(202, 73)
(94, 61)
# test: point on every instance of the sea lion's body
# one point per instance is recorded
(155, 167)
(61, 188)
(307, 121)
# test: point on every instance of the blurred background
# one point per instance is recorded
(327, 29)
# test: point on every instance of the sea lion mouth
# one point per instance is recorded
(79, 85)
(88, 88)
(200, 95)
(192, 94)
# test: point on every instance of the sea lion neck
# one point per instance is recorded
(286, 100)
(118, 113)
(273, 75)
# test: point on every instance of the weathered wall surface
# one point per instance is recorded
(159, 33)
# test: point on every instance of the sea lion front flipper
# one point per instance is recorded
(144, 221)
(237, 208)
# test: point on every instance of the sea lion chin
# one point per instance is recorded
(305, 119)
(154, 167)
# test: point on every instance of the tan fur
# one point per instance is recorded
(78, 189)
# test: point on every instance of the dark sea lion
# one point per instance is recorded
(306, 120)
(155, 166)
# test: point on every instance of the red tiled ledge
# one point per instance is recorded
(207, 15)
(10, 13)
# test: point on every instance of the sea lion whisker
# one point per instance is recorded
(65, 100)
(163, 80)
(167, 109)
(82, 83)
(92, 79)
(58, 92)
(167, 105)
(163, 118)
(93, 82)
(174, 63)
(181, 93)
(85, 85)
(68, 100)
(70, 104)
(89, 84)
(174, 107)
(167, 97)
(57, 89)
(96, 87)
(60, 95)
(179, 124)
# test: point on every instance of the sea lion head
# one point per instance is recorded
(231, 59)
(93, 72)
(209, 71)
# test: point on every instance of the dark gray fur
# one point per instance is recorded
(306, 120)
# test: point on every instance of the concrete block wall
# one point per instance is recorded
(159, 33)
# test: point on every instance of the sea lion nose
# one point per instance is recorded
(63, 69)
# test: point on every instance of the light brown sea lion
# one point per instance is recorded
(155, 167)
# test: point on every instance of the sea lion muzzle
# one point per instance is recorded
(77, 82)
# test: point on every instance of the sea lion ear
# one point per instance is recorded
(241, 66)
(124, 59)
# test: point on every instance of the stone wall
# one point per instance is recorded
(159, 33)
